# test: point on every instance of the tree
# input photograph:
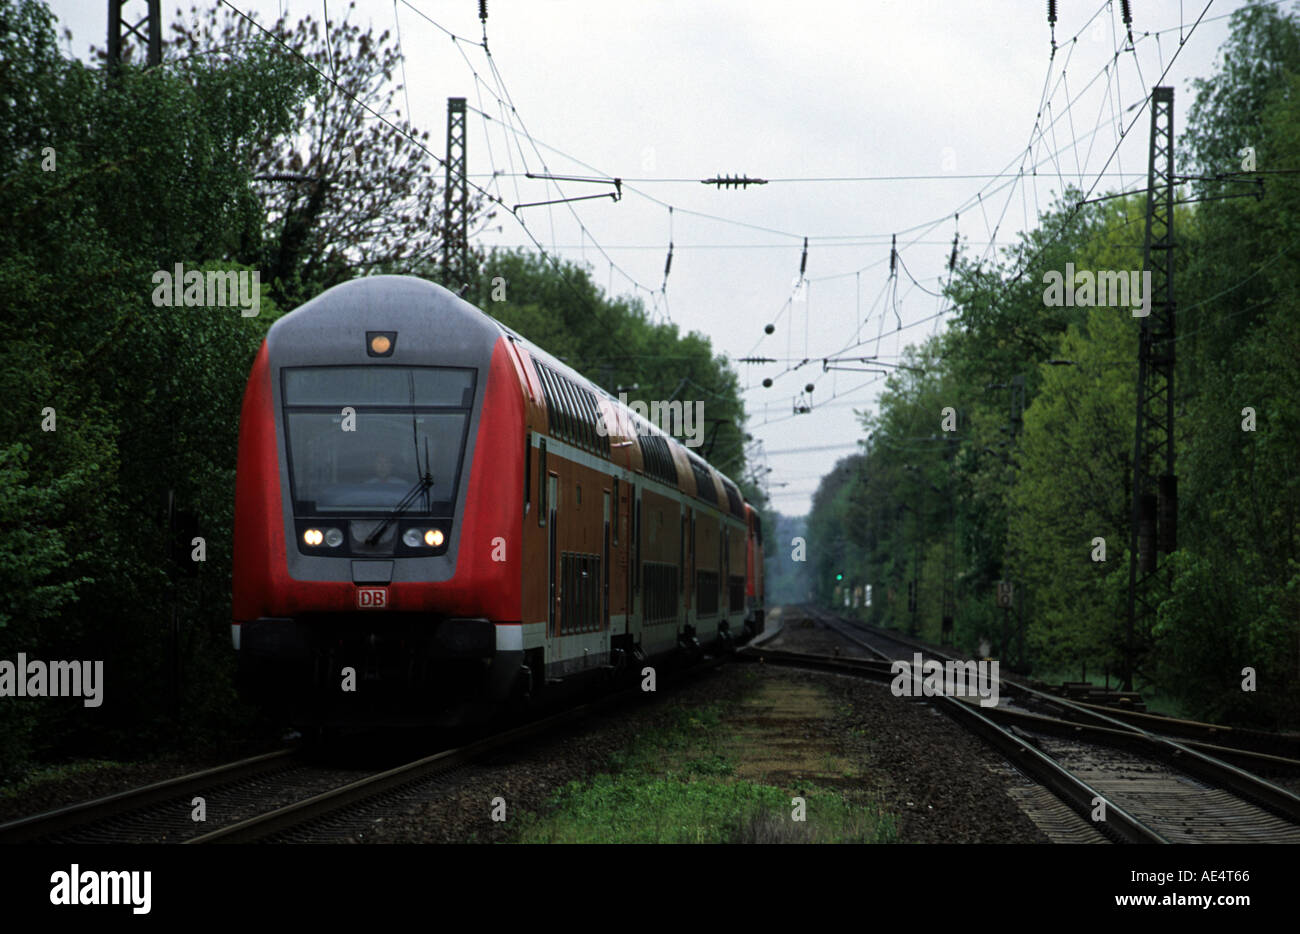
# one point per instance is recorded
(113, 399)
(344, 191)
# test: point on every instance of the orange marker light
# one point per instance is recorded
(380, 344)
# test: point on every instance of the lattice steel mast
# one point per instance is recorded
(1154, 521)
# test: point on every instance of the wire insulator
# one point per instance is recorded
(482, 10)
(1126, 11)
(1051, 11)
(803, 263)
(668, 266)
(893, 255)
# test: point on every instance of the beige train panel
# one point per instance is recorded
(581, 506)
(707, 539)
(738, 539)
(685, 476)
(661, 528)
(719, 490)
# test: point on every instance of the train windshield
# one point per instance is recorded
(360, 437)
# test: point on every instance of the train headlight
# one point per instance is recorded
(313, 536)
(333, 538)
(423, 538)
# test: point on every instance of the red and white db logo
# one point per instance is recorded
(372, 598)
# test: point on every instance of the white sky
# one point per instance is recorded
(651, 91)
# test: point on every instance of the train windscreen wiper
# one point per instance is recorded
(421, 486)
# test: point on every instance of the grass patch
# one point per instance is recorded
(642, 808)
(57, 773)
(673, 785)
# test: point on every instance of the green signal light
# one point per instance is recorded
(839, 577)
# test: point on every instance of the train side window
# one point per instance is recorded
(552, 412)
(586, 425)
(570, 409)
(591, 415)
(560, 415)
(541, 481)
(579, 418)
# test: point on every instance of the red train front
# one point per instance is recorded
(370, 414)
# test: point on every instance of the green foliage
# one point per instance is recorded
(787, 580)
(354, 194)
(145, 399)
(1029, 499)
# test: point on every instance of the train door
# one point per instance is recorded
(629, 547)
(692, 594)
(681, 564)
(636, 557)
(553, 554)
(724, 570)
(604, 563)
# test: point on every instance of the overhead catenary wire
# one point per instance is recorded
(510, 114)
(537, 143)
(1054, 114)
(413, 139)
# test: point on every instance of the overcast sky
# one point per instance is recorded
(666, 93)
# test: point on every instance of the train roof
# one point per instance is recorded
(398, 290)
(643, 425)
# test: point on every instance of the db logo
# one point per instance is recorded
(372, 598)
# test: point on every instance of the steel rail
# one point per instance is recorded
(183, 786)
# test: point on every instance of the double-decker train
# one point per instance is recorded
(435, 518)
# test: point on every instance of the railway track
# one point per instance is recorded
(1249, 748)
(281, 797)
(158, 812)
(1151, 788)
(275, 797)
